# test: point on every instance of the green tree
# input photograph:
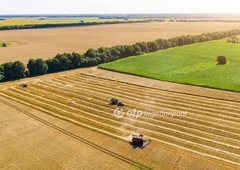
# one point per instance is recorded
(121, 50)
(129, 50)
(37, 67)
(137, 49)
(152, 46)
(160, 42)
(180, 40)
(115, 54)
(1, 73)
(18, 70)
(173, 41)
(7, 71)
(31, 66)
(104, 54)
(143, 46)
(64, 62)
(4, 45)
(14, 70)
(167, 44)
(221, 60)
(233, 39)
(76, 60)
(91, 53)
(52, 65)
(41, 67)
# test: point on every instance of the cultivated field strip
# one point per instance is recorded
(211, 127)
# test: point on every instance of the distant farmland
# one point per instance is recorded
(46, 20)
(46, 43)
(194, 64)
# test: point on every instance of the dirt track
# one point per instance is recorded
(82, 101)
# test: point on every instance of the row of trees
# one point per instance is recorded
(33, 26)
(207, 20)
(93, 57)
(233, 39)
(12, 71)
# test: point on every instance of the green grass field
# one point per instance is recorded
(193, 64)
(64, 20)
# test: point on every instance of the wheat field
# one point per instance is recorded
(209, 132)
(47, 43)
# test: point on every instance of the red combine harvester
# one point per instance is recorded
(140, 141)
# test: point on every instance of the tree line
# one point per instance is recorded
(207, 20)
(93, 57)
(233, 39)
(81, 23)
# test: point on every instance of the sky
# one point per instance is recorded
(117, 6)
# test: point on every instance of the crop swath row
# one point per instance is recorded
(211, 127)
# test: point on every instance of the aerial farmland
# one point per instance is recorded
(134, 90)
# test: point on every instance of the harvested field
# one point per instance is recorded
(46, 43)
(209, 132)
(28, 142)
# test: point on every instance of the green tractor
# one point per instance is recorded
(115, 101)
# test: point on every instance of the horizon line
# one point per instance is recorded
(179, 13)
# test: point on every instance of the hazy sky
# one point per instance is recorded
(117, 6)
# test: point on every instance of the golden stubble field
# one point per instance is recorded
(64, 121)
(46, 43)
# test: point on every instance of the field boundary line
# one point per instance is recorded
(100, 76)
